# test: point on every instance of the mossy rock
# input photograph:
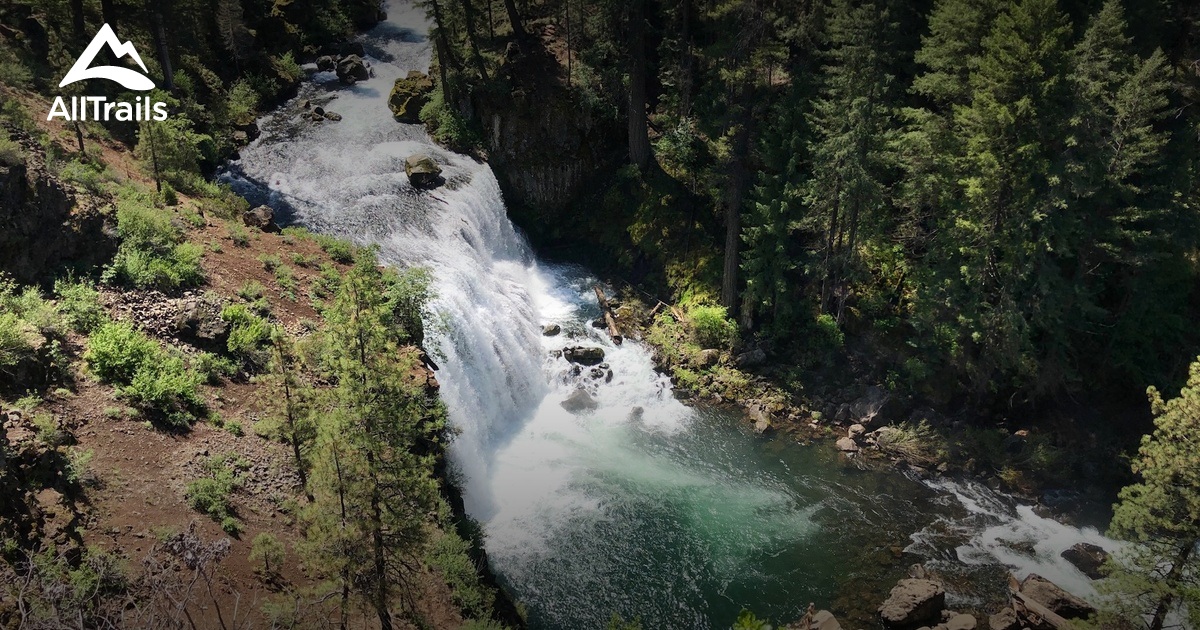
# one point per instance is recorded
(409, 95)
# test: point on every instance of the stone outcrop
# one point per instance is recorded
(352, 69)
(422, 171)
(551, 330)
(1088, 558)
(409, 95)
(584, 355)
(580, 402)
(913, 603)
(46, 222)
(261, 218)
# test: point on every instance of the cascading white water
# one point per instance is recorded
(642, 506)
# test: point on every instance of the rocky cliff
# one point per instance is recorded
(45, 221)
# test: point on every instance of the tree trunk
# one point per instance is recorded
(380, 552)
(733, 212)
(345, 604)
(78, 26)
(639, 138)
(108, 10)
(155, 9)
(514, 18)
(79, 139)
(469, 12)
(685, 58)
(1172, 580)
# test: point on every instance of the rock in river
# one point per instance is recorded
(422, 171)
(579, 402)
(1088, 558)
(584, 355)
(409, 95)
(352, 69)
(847, 445)
(913, 603)
(551, 330)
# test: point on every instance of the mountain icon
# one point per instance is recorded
(106, 37)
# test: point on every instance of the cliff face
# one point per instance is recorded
(43, 221)
(544, 146)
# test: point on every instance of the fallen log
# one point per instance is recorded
(1034, 614)
(609, 319)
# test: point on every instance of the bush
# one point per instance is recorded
(79, 303)
(268, 554)
(147, 375)
(339, 250)
(92, 176)
(116, 352)
(166, 386)
(152, 252)
(270, 262)
(211, 495)
(285, 277)
(447, 126)
(241, 103)
(711, 326)
(248, 334)
(17, 339)
(251, 291)
(450, 556)
(11, 153)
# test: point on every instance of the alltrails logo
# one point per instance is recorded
(99, 107)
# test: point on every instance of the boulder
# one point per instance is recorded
(352, 69)
(201, 320)
(708, 358)
(824, 620)
(584, 355)
(580, 402)
(551, 330)
(262, 218)
(1052, 596)
(847, 445)
(1088, 558)
(333, 116)
(856, 431)
(868, 406)
(409, 95)
(422, 171)
(960, 622)
(1006, 619)
(326, 63)
(751, 358)
(913, 603)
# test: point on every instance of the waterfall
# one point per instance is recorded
(641, 506)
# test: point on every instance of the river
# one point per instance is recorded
(643, 507)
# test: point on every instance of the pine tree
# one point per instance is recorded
(770, 259)
(1159, 572)
(1015, 224)
(852, 119)
(952, 47)
(373, 483)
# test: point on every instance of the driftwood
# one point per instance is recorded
(613, 330)
(1034, 614)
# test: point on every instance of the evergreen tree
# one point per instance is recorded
(852, 119)
(372, 485)
(1159, 572)
(1015, 225)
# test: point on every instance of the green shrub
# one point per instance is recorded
(115, 352)
(248, 334)
(11, 153)
(447, 126)
(79, 303)
(339, 250)
(93, 177)
(450, 556)
(29, 305)
(219, 200)
(270, 262)
(166, 386)
(238, 235)
(211, 495)
(17, 339)
(287, 68)
(241, 103)
(153, 253)
(711, 326)
(212, 368)
(168, 195)
(235, 428)
(267, 554)
(251, 291)
(285, 277)
(50, 431)
(79, 469)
